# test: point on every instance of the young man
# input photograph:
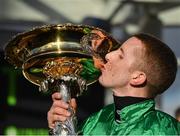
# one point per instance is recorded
(137, 72)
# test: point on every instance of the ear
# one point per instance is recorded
(138, 78)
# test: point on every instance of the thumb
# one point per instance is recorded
(73, 104)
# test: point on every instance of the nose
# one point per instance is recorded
(107, 57)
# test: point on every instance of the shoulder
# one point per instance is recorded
(106, 110)
(162, 116)
(165, 118)
(101, 116)
(162, 122)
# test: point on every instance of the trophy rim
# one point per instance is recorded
(19, 37)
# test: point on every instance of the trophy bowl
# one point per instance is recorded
(60, 58)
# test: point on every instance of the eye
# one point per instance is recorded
(121, 53)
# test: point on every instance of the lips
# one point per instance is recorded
(102, 68)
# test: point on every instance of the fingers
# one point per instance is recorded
(59, 110)
(52, 118)
(60, 104)
(57, 113)
(56, 96)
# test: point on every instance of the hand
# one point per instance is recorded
(59, 109)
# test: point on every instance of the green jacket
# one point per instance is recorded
(136, 119)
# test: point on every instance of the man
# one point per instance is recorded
(137, 72)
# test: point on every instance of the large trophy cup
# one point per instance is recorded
(60, 58)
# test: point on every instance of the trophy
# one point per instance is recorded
(60, 58)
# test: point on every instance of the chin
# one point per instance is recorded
(104, 83)
(100, 80)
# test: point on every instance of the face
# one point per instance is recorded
(116, 72)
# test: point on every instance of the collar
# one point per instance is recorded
(126, 107)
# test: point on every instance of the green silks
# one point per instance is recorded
(136, 119)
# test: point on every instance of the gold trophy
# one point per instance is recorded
(60, 58)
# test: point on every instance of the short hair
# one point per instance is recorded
(159, 63)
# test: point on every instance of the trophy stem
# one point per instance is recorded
(69, 126)
(67, 86)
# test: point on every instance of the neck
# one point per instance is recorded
(131, 91)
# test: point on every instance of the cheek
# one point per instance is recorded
(108, 78)
(105, 78)
(120, 75)
(114, 71)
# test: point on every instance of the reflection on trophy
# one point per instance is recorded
(60, 58)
